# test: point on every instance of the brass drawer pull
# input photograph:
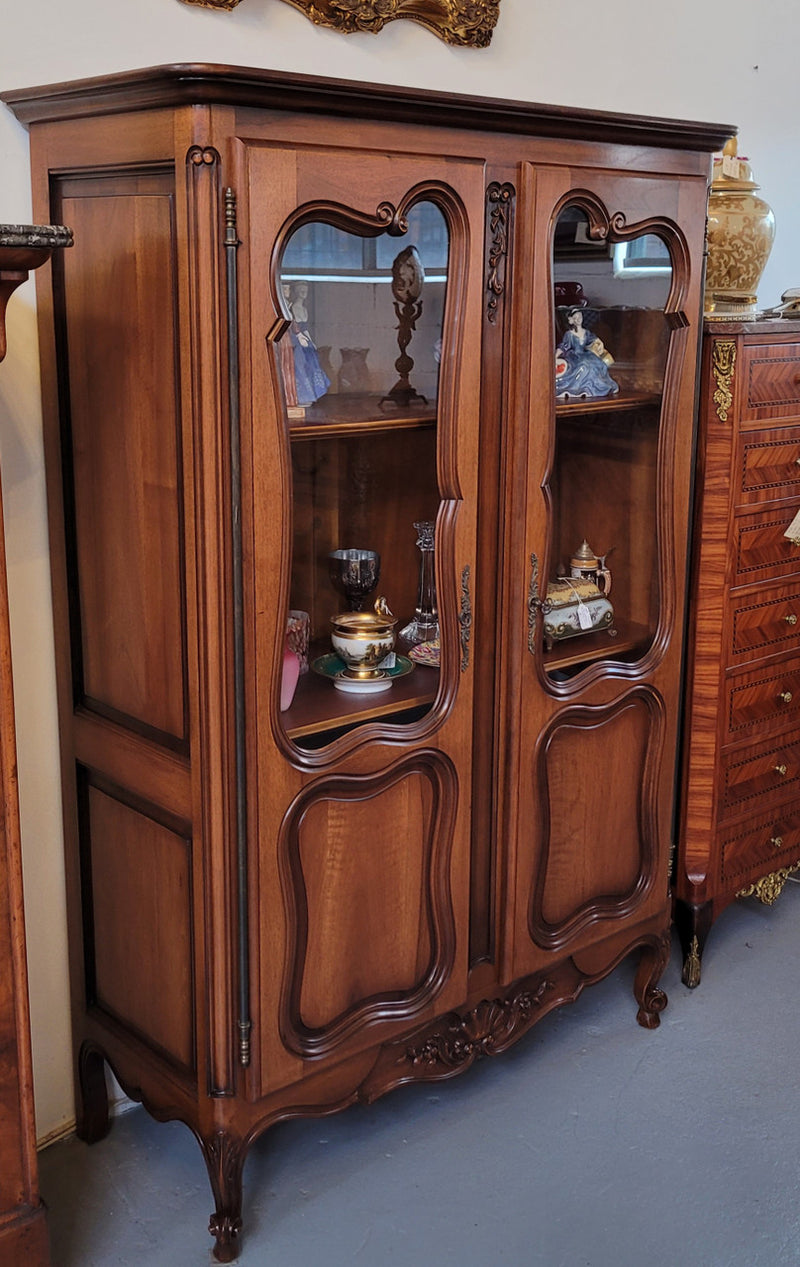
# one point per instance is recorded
(780, 769)
(776, 842)
(785, 697)
(797, 461)
(791, 619)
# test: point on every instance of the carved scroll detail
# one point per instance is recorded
(723, 360)
(485, 1031)
(462, 22)
(500, 199)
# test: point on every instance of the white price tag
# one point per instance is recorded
(389, 661)
(793, 531)
(584, 616)
(730, 166)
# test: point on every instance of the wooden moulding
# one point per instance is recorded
(203, 84)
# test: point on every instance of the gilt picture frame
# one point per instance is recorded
(466, 23)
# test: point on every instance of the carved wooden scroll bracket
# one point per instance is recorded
(467, 23)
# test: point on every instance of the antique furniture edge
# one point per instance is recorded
(202, 84)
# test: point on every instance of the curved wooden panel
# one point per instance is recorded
(379, 846)
(597, 775)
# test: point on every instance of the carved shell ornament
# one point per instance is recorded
(464, 22)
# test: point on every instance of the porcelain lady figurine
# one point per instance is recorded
(311, 381)
(286, 356)
(582, 361)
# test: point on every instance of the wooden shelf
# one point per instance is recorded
(585, 648)
(341, 415)
(318, 706)
(607, 404)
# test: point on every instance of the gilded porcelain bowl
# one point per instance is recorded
(363, 640)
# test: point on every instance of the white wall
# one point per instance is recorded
(730, 62)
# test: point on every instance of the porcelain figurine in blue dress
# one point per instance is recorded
(311, 381)
(582, 361)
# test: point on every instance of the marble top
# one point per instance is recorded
(46, 236)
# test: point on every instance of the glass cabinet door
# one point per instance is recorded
(602, 594)
(359, 359)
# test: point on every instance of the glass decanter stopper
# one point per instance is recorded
(425, 624)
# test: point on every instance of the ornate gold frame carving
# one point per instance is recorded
(769, 888)
(723, 360)
(462, 22)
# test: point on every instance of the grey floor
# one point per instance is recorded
(592, 1143)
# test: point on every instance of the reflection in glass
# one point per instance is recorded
(359, 364)
(611, 337)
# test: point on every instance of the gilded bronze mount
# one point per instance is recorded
(467, 23)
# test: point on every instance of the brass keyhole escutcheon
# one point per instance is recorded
(791, 619)
(776, 842)
(785, 697)
(780, 769)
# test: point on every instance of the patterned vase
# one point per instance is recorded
(741, 230)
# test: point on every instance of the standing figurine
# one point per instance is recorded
(286, 355)
(311, 381)
(582, 361)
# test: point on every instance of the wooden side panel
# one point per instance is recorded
(137, 911)
(122, 451)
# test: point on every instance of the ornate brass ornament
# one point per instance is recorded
(465, 619)
(723, 360)
(770, 887)
(500, 200)
(534, 603)
(464, 22)
(691, 966)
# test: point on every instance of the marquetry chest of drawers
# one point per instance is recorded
(739, 831)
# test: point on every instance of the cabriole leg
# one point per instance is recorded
(650, 998)
(224, 1155)
(93, 1122)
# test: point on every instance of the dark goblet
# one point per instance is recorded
(355, 574)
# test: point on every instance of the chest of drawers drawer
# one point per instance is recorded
(768, 466)
(764, 625)
(770, 383)
(758, 848)
(760, 777)
(761, 551)
(768, 700)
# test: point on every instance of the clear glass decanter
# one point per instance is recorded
(425, 624)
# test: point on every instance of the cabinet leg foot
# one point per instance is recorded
(92, 1117)
(651, 999)
(224, 1155)
(692, 924)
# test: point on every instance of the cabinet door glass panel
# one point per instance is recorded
(359, 364)
(612, 338)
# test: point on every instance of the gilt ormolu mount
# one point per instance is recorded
(464, 22)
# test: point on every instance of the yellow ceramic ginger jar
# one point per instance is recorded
(741, 230)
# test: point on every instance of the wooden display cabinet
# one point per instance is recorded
(739, 833)
(278, 913)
